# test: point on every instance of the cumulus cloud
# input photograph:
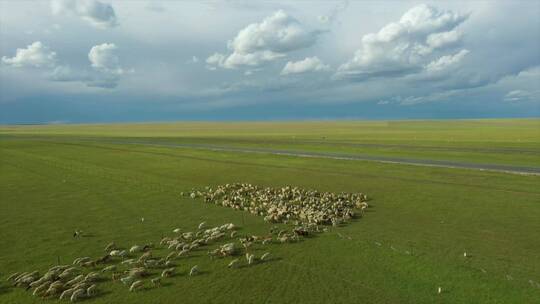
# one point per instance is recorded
(103, 58)
(414, 100)
(447, 61)
(518, 95)
(266, 41)
(100, 15)
(407, 46)
(34, 55)
(309, 64)
(105, 70)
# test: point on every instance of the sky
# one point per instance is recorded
(84, 61)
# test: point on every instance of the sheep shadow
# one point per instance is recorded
(185, 257)
(259, 262)
(5, 289)
(164, 284)
(199, 273)
(98, 295)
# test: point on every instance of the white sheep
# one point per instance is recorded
(127, 280)
(177, 230)
(41, 289)
(135, 248)
(75, 280)
(128, 261)
(78, 294)
(110, 246)
(264, 256)
(109, 268)
(201, 225)
(91, 277)
(167, 272)
(66, 293)
(156, 281)
(233, 263)
(194, 270)
(251, 259)
(13, 276)
(170, 256)
(136, 285)
(90, 291)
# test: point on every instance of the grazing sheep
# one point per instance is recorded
(90, 291)
(233, 234)
(89, 264)
(148, 246)
(138, 272)
(439, 290)
(177, 230)
(194, 270)
(145, 256)
(156, 281)
(13, 276)
(109, 268)
(41, 289)
(136, 285)
(78, 294)
(128, 261)
(167, 272)
(66, 293)
(170, 256)
(135, 248)
(264, 256)
(183, 252)
(127, 280)
(201, 225)
(103, 259)
(75, 280)
(91, 277)
(115, 276)
(79, 261)
(251, 259)
(110, 247)
(164, 241)
(115, 252)
(233, 263)
(57, 285)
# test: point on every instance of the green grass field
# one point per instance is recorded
(58, 178)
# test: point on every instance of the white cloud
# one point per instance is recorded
(266, 41)
(98, 14)
(447, 61)
(103, 58)
(309, 64)
(104, 72)
(406, 46)
(34, 55)
(439, 40)
(518, 95)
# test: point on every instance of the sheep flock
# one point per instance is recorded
(294, 212)
(287, 204)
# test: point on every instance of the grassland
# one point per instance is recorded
(55, 179)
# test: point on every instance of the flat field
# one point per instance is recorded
(102, 179)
